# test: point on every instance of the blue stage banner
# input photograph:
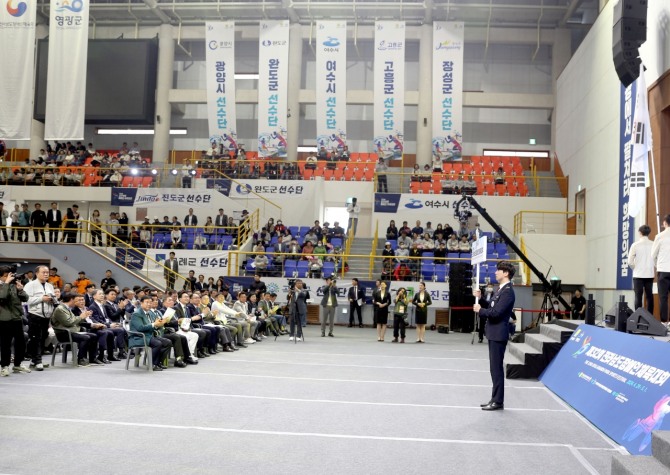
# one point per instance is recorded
(616, 380)
(129, 258)
(123, 196)
(387, 202)
(626, 233)
(222, 185)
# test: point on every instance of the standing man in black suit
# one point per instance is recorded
(220, 221)
(38, 221)
(329, 305)
(171, 271)
(190, 219)
(72, 224)
(54, 220)
(356, 297)
(497, 313)
(298, 310)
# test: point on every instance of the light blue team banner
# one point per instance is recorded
(625, 223)
(389, 89)
(448, 39)
(220, 70)
(66, 75)
(17, 57)
(273, 88)
(331, 85)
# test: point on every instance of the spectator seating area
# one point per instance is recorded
(212, 241)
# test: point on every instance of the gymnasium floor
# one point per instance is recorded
(328, 405)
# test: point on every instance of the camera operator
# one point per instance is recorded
(41, 302)
(298, 310)
(11, 321)
(329, 305)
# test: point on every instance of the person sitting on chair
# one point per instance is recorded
(140, 323)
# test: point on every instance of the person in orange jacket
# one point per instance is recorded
(81, 283)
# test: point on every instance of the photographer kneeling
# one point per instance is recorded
(11, 321)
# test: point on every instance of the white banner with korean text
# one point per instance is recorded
(303, 190)
(17, 57)
(448, 90)
(207, 263)
(66, 74)
(331, 85)
(164, 197)
(273, 88)
(389, 87)
(220, 70)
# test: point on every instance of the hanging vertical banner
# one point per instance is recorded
(626, 234)
(389, 87)
(66, 75)
(448, 90)
(17, 57)
(273, 88)
(331, 84)
(220, 67)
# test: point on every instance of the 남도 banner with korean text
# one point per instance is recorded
(163, 197)
(205, 262)
(66, 75)
(220, 67)
(17, 56)
(331, 84)
(448, 90)
(389, 87)
(273, 88)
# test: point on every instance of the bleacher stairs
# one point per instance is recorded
(657, 464)
(359, 266)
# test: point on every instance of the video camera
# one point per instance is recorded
(13, 269)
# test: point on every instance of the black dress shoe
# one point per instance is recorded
(481, 340)
(485, 404)
(158, 368)
(228, 350)
(494, 406)
(122, 355)
(323, 335)
(330, 334)
(162, 366)
(113, 358)
(351, 325)
(202, 354)
(241, 345)
(179, 364)
(191, 360)
(97, 362)
(360, 325)
(106, 361)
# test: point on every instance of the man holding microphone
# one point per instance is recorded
(496, 313)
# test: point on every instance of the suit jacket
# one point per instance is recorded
(360, 295)
(221, 220)
(377, 298)
(497, 313)
(72, 218)
(98, 315)
(299, 302)
(172, 264)
(426, 300)
(38, 219)
(114, 312)
(139, 322)
(190, 220)
(54, 218)
(64, 319)
(329, 291)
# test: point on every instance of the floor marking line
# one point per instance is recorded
(286, 433)
(307, 363)
(273, 398)
(379, 356)
(582, 460)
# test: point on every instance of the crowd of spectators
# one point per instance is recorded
(39, 312)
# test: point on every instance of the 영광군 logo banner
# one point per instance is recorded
(17, 57)
(273, 88)
(66, 75)
(331, 84)
(220, 67)
(448, 90)
(389, 87)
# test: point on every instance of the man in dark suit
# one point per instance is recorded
(54, 220)
(190, 219)
(298, 310)
(99, 315)
(72, 224)
(140, 322)
(38, 221)
(220, 221)
(329, 305)
(356, 297)
(171, 271)
(496, 314)
(181, 311)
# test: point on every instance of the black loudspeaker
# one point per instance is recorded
(590, 310)
(610, 315)
(623, 312)
(629, 32)
(644, 323)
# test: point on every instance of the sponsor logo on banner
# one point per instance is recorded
(618, 381)
(123, 196)
(19, 10)
(448, 90)
(389, 87)
(273, 88)
(222, 185)
(626, 234)
(331, 84)
(130, 258)
(387, 202)
(166, 197)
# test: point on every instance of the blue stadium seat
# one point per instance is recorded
(328, 268)
(441, 272)
(427, 271)
(302, 267)
(289, 268)
(336, 242)
(304, 230)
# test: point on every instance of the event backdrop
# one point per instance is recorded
(618, 381)
(331, 84)
(220, 71)
(448, 90)
(389, 87)
(273, 88)
(17, 57)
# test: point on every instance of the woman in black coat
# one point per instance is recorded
(421, 300)
(382, 300)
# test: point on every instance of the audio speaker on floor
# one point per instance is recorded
(590, 316)
(623, 312)
(644, 323)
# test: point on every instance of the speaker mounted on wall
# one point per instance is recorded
(629, 32)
